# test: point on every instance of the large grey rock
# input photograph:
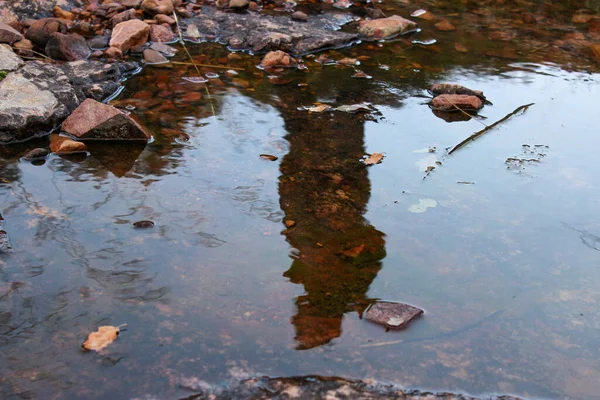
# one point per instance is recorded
(96, 79)
(25, 109)
(9, 61)
(39, 96)
(262, 33)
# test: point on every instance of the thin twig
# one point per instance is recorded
(34, 52)
(207, 65)
(193, 63)
(489, 128)
(539, 48)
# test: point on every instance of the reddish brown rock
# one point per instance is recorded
(123, 16)
(8, 17)
(445, 26)
(63, 14)
(23, 48)
(113, 53)
(595, 49)
(8, 34)
(93, 120)
(130, 3)
(392, 315)
(453, 88)
(153, 7)
(40, 31)
(449, 102)
(161, 34)
(71, 47)
(129, 34)
(300, 16)
(65, 145)
(277, 59)
(165, 19)
(385, 27)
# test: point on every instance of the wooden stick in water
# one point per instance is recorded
(490, 127)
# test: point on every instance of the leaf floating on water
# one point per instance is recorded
(362, 75)
(349, 61)
(354, 108)
(195, 79)
(428, 42)
(319, 108)
(418, 13)
(104, 336)
(373, 158)
(422, 206)
(268, 157)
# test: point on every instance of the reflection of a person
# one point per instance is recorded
(324, 189)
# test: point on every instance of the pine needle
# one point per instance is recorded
(193, 62)
(207, 65)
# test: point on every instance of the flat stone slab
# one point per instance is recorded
(9, 61)
(263, 33)
(392, 315)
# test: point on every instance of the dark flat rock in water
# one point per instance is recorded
(317, 387)
(4, 241)
(392, 315)
(261, 33)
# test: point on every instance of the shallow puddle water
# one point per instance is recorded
(257, 267)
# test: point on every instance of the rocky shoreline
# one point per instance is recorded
(56, 54)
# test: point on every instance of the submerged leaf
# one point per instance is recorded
(354, 108)
(104, 336)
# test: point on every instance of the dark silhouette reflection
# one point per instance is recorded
(324, 189)
(118, 158)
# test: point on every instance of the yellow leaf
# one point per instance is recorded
(104, 336)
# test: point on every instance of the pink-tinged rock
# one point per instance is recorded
(40, 31)
(65, 145)
(277, 59)
(71, 47)
(128, 34)
(385, 27)
(161, 34)
(392, 315)
(113, 53)
(93, 120)
(153, 7)
(123, 16)
(450, 102)
(165, 19)
(8, 34)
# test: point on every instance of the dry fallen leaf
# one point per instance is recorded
(374, 158)
(104, 336)
(319, 108)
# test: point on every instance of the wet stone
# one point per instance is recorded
(392, 315)
(143, 224)
(36, 154)
(456, 102)
(154, 57)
